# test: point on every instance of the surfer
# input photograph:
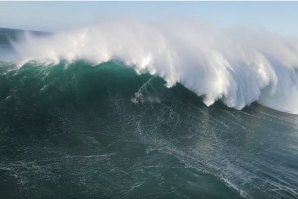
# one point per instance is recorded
(137, 99)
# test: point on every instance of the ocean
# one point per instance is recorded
(72, 127)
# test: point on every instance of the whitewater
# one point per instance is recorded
(115, 110)
(238, 65)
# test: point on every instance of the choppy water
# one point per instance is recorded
(81, 131)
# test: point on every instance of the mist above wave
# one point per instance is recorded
(237, 66)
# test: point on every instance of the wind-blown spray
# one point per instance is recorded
(237, 66)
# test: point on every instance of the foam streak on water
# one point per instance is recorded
(73, 131)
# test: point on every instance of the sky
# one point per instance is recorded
(277, 17)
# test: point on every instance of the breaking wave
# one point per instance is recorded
(237, 66)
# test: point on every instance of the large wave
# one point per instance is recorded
(237, 66)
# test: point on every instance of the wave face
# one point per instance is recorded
(82, 131)
(86, 113)
(237, 66)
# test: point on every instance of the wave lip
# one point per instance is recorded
(237, 66)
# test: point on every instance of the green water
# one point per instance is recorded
(73, 131)
(83, 131)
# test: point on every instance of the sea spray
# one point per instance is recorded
(237, 66)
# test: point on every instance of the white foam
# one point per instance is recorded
(237, 66)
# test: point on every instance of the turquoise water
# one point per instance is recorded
(81, 131)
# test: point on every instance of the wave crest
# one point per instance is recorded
(237, 66)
